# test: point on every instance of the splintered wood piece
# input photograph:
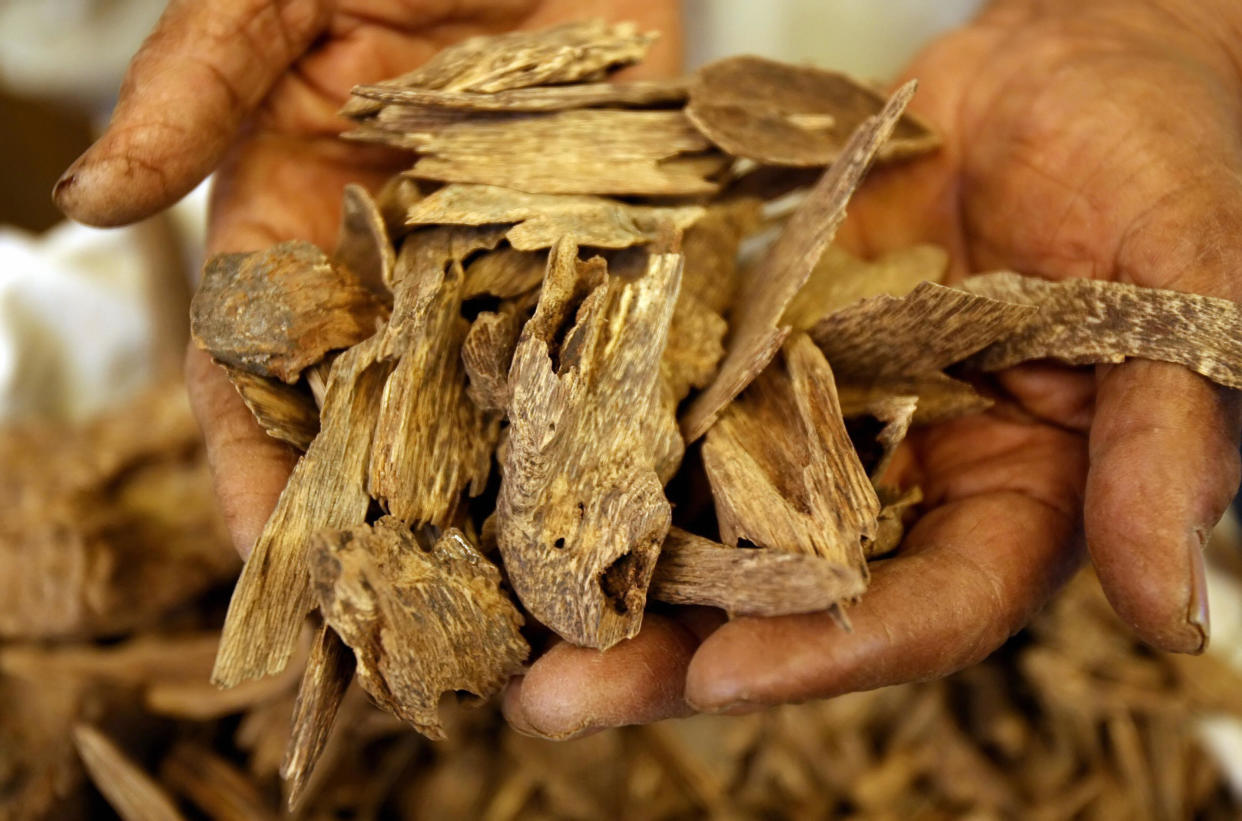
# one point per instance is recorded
(431, 440)
(894, 413)
(890, 527)
(327, 488)
(575, 52)
(394, 200)
(783, 471)
(749, 582)
(940, 397)
(132, 792)
(640, 93)
(362, 244)
(542, 219)
(218, 788)
(841, 279)
(783, 114)
(277, 311)
(695, 346)
(581, 511)
(585, 151)
(755, 321)
(487, 352)
(505, 273)
(285, 412)
(329, 670)
(421, 622)
(1090, 321)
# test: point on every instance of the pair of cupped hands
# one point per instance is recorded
(1082, 138)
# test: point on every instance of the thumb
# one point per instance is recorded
(203, 69)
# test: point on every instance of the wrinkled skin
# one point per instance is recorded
(1089, 138)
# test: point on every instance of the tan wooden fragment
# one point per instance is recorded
(362, 243)
(132, 792)
(505, 273)
(890, 527)
(326, 489)
(581, 512)
(329, 670)
(1089, 321)
(749, 582)
(420, 622)
(487, 352)
(394, 200)
(755, 321)
(275, 312)
(782, 114)
(285, 412)
(213, 783)
(636, 94)
(783, 471)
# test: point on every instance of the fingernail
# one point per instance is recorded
(1197, 615)
(64, 184)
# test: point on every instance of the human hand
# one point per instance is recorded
(1096, 139)
(250, 88)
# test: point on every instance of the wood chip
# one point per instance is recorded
(893, 414)
(329, 670)
(420, 622)
(394, 200)
(581, 510)
(132, 792)
(431, 441)
(275, 312)
(798, 115)
(637, 94)
(487, 353)
(783, 471)
(749, 581)
(570, 53)
(890, 525)
(543, 219)
(362, 245)
(285, 412)
(505, 273)
(326, 489)
(756, 330)
(216, 786)
(1089, 321)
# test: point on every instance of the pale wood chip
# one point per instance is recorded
(285, 412)
(394, 200)
(783, 471)
(1090, 321)
(487, 352)
(894, 414)
(362, 242)
(131, 791)
(275, 312)
(575, 52)
(783, 114)
(749, 582)
(432, 442)
(214, 784)
(582, 510)
(505, 273)
(637, 94)
(542, 219)
(327, 488)
(420, 622)
(329, 670)
(940, 397)
(756, 330)
(890, 527)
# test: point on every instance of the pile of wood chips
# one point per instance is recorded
(496, 373)
(1071, 719)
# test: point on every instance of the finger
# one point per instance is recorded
(249, 467)
(202, 70)
(1164, 466)
(972, 572)
(571, 691)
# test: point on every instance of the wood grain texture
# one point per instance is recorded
(285, 412)
(755, 321)
(783, 114)
(749, 581)
(487, 352)
(327, 488)
(277, 311)
(505, 273)
(329, 671)
(133, 793)
(1089, 321)
(362, 242)
(636, 94)
(783, 471)
(582, 512)
(421, 622)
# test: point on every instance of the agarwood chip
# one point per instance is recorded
(571, 53)
(543, 218)
(890, 529)
(431, 440)
(940, 397)
(362, 244)
(134, 794)
(783, 471)
(1090, 321)
(327, 488)
(394, 200)
(637, 94)
(841, 279)
(581, 510)
(285, 412)
(329, 670)
(783, 114)
(275, 312)
(505, 273)
(421, 622)
(487, 352)
(214, 784)
(894, 414)
(749, 582)
(755, 321)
